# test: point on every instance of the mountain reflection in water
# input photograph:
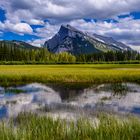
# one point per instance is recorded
(70, 103)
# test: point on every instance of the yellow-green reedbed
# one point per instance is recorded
(32, 127)
(89, 73)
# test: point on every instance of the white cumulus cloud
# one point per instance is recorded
(57, 12)
(20, 28)
(63, 10)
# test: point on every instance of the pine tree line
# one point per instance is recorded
(110, 56)
(14, 52)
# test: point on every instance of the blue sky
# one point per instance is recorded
(35, 21)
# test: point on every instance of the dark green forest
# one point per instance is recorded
(14, 52)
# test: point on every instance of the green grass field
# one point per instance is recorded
(92, 73)
(32, 127)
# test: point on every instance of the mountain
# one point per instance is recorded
(74, 41)
(111, 41)
(18, 44)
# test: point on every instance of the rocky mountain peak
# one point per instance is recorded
(72, 40)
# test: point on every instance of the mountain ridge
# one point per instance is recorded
(74, 41)
(18, 44)
(71, 40)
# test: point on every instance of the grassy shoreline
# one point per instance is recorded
(33, 127)
(70, 74)
(66, 63)
(29, 126)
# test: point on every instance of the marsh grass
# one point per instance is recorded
(29, 126)
(14, 90)
(105, 98)
(62, 74)
(119, 89)
(32, 127)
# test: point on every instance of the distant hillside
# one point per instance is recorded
(76, 42)
(18, 44)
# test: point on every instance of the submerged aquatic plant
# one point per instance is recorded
(119, 89)
(14, 90)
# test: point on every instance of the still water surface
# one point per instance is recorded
(67, 103)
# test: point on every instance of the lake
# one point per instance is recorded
(70, 103)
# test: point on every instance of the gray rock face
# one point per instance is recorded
(76, 42)
(110, 41)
